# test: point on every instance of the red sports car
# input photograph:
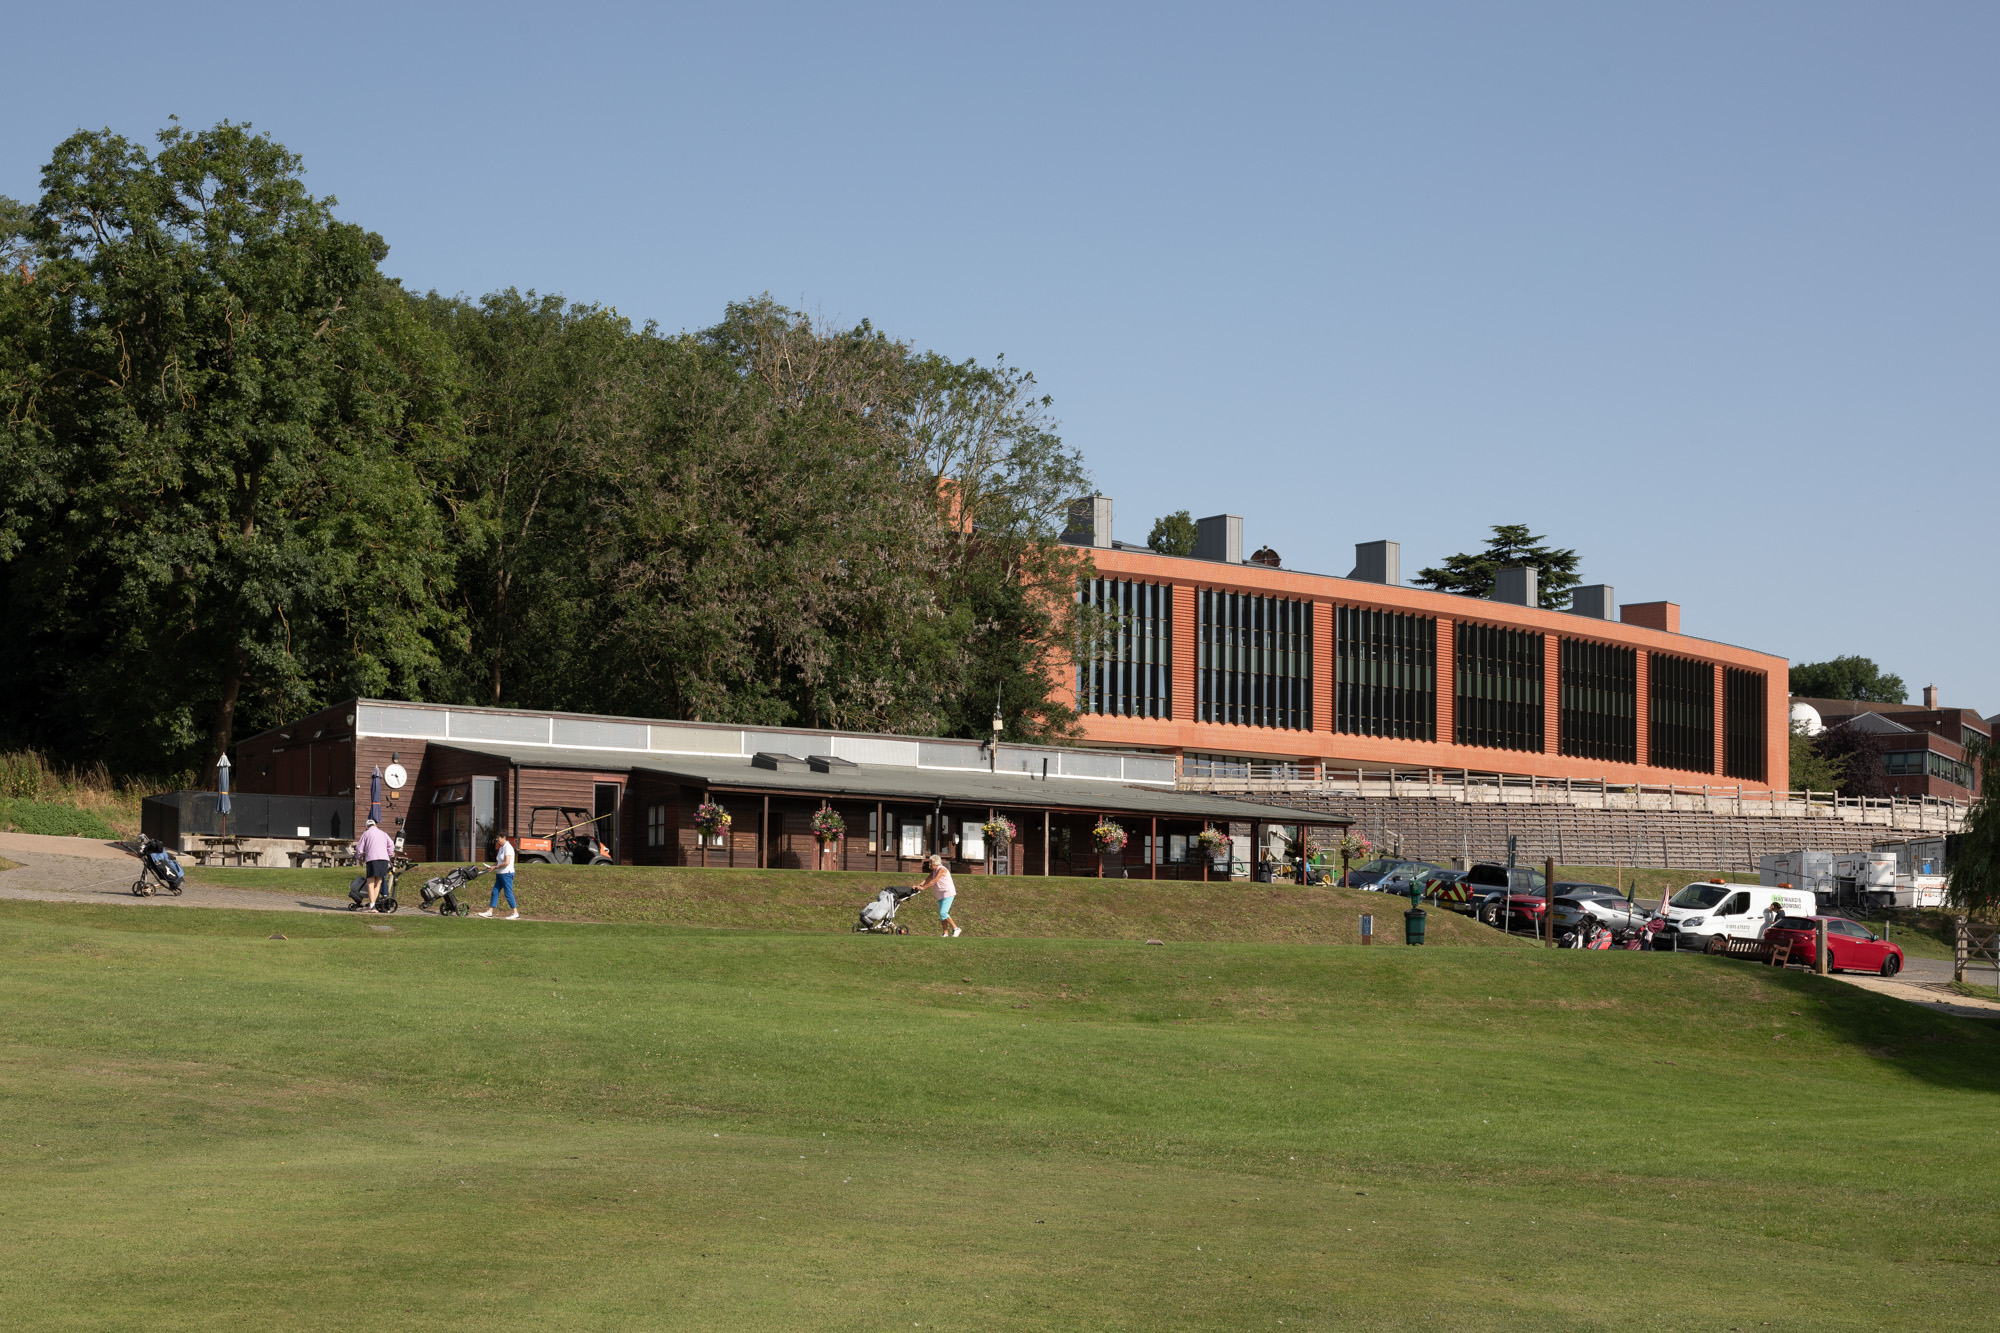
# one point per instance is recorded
(1850, 946)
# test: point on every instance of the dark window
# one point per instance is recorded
(1917, 763)
(1682, 714)
(1498, 696)
(1600, 701)
(1743, 724)
(1254, 660)
(1131, 672)
(1385, 680)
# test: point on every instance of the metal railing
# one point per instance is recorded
(1468, 786)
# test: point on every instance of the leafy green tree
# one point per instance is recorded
(1810, 769)
(1973, 879)
(1474, 574)
(1173, 535)
(1855, 678)
(224, 432)
(15, 247)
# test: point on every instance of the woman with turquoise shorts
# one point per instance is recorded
(937, 878)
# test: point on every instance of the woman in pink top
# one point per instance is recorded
(937, 878)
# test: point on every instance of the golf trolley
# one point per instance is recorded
(158, 870)
(443, 890)
(385, 901)
(879, 917)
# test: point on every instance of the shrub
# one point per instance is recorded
(62, 821)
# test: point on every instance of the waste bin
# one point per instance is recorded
(1413, 926)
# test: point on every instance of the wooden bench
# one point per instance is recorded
(1725, 946)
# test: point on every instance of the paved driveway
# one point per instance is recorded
(103, 874)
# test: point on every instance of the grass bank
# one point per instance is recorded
(465, 1125)
(1651, 884)
(1016, 906)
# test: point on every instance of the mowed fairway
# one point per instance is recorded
(487, 1125)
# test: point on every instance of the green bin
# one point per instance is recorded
(1413, 926)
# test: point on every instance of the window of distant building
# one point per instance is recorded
(1497, 699)
(1743, 724)
(1600, 701)
(1253, 660)
(1681, 713)
(1385, 674)
(1917, 763)
(1130, 671)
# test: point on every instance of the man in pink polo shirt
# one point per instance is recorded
(374, 850)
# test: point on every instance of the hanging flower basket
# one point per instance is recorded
(711, 819)
(828, 826)
(1211, 840)
(1109, 835)
(999, 830)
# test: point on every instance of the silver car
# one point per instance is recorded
(1597, 903)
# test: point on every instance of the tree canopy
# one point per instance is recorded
(1475, 573)
(1973, 883)
(242, 473)
(1173, 535)
(1855, 678)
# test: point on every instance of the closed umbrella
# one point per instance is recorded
(375, 794)
(222, 783)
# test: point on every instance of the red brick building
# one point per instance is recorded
(1224, 662)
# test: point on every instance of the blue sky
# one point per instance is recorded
(1705, 291)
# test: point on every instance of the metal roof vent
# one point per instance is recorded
(826, 763)
(772, 759)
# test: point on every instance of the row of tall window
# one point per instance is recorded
(1128, 669)
(1253, 660)
(1254, 668)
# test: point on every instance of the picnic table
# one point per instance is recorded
(218, 851)
(324, 852)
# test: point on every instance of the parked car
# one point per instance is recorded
(1596, 904)
(1704, 911)
(1850, 946)
(1411, 874)
(1471, 889)
(1366, 877)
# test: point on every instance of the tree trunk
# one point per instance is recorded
(225, 712)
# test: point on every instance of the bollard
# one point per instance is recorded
(1367, 928)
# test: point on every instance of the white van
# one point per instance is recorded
(1701, 912)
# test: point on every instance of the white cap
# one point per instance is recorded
(371, 823)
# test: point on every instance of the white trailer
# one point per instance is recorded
(1809, 872)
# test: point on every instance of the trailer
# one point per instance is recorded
(1810, 872)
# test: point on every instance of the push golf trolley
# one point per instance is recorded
(879, 917)
(385, 901)
(158, 870)
(442, 892)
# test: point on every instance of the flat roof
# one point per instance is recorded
(887, 782)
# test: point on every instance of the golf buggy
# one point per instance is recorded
(562, 835)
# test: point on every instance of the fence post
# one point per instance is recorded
(1958, 953)
(1819, 946)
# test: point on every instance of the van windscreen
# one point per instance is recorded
(1701, 895)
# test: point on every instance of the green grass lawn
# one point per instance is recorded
(1020, 906)
(422, 1124)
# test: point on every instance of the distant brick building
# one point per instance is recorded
(1926, 750)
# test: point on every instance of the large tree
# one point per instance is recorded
(223, 433)
(1174, 534)
(1474, 573)
(1974, 883)
(1852, 677)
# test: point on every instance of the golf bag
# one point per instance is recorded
(443, 891)
(157, 870)
(879, 917)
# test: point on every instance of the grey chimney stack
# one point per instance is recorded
(1219, 538)
(1517, 586)
(1378, 562)
(1089, 521)
(1594, 601)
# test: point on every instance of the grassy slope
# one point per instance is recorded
(1648, 883)
(1017, 906)
(62, 819)
(470, 1125)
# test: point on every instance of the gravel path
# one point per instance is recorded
(94, 878)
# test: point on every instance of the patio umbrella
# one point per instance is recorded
(375, 794)
(222, 783)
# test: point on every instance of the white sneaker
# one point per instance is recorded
(487, 912)
(956, 932)
(513, 916)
